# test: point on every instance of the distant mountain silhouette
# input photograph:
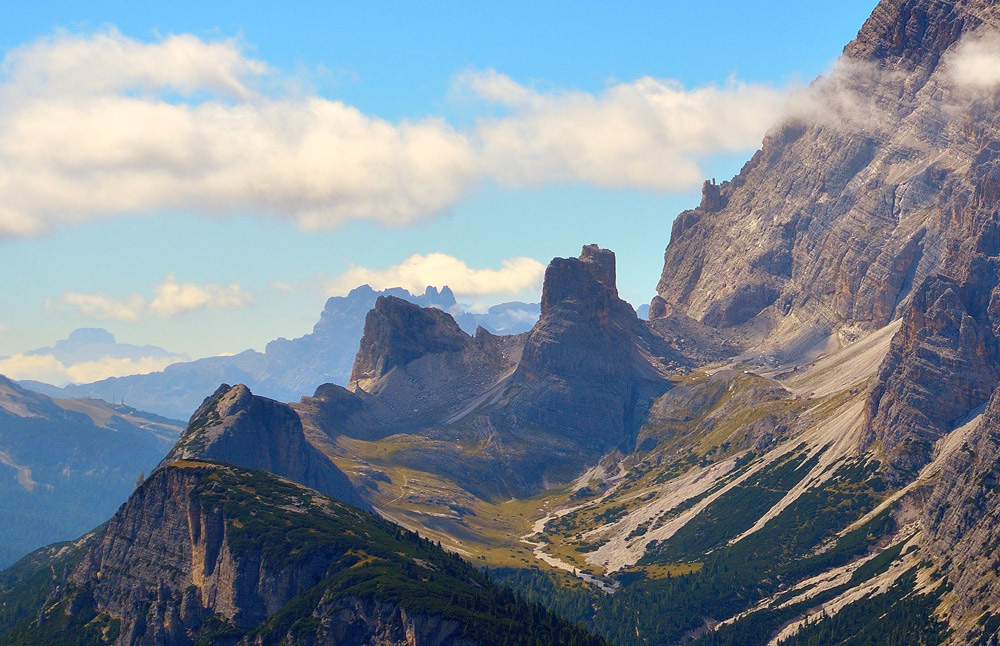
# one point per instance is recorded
(286, 370)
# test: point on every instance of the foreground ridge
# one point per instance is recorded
(211, 553)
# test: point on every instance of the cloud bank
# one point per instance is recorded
(101, 124)
(46, 368)
(649, 134)
(171, 298)
(438, 269)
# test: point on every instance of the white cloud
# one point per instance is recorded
(438, 269)
(974, 63)
(104, 308)
(171, 298)
(649, 134)
(844, 98)
(48, 369)
(174, 298)
(100, 124)
(109, 62)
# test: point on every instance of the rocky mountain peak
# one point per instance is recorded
(90, 335)
(585, 285)
(443, 297)
(237, 427)
(865, 188)
(398, 332)
(600, 263)
(711, 197)
(205, 553)
(230, 400)
(589, 363)
(917, 31)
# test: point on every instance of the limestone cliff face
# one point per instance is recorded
(874, 199)
(414, 362)
(237, 427)
(877, 199)
(590, 367)
(962, 518)
(168, 565)
(164, 552)
(533, 408)
(871, 183)
(397, 332)
(209, 553)
(943, 363)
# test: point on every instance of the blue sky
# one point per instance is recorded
(487, 102)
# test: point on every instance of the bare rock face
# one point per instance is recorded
(414, 360)
(397, 332)
(535, 407)
(874, 199)
(237, 427)
(945, 360)
(172, 561)
(962, 518)
(852, 201)
(590, 367)
(943, 363)
(161, 546)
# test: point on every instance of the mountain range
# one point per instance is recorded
(799, 446)
(85, 345)
(288, 368)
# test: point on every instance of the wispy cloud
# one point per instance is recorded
(85, 65)
(46, 368)
(100, 124)
(974, 63)
(171, 297)
(650, 134)
(437, 269)
(101, 307)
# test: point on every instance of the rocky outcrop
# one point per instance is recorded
(962, 518)
(172, 562)
(589, 367)
(416, 368)
(944, 360)
(505, 415)
(943, 363)
(288, 368)
(327, 353)
(872, 200)
(397, 332)
(237, 427)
